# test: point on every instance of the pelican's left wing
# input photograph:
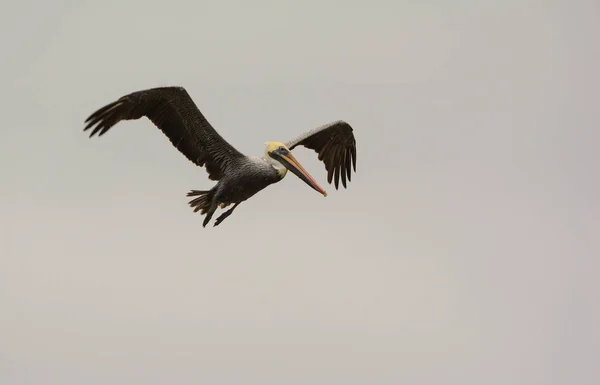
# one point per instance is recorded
(173, 111)
(336, 146)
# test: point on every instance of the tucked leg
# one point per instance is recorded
(209, 213)
(225, 215)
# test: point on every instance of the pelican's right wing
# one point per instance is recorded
(173, 111)
(336, 147)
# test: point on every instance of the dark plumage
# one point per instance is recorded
(239, 177)
(336, 146)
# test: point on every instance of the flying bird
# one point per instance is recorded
(239, 177)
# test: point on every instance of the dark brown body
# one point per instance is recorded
(244, 181)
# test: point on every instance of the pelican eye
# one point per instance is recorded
(283, 150)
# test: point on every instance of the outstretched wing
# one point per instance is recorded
(336, 146)
(173, 111)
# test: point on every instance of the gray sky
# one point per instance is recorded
(463, 251)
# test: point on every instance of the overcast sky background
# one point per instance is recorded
(464, 251)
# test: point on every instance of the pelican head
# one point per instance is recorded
(278, 153)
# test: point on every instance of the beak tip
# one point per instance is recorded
(325, 194)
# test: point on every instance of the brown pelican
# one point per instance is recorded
(239, 177)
